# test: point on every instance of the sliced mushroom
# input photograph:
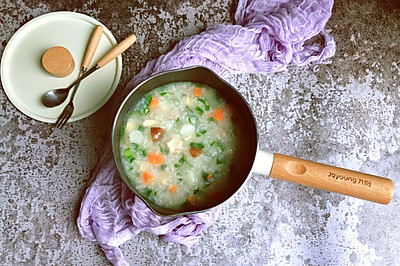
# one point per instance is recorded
(195, 151)
(156, 133)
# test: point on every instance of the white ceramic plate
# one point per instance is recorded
(25, 80)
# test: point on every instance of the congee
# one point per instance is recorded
(177, 145)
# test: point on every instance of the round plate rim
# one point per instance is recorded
(67, 14)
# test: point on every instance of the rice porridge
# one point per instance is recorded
(177, 144)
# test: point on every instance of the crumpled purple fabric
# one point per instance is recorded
(268, 37)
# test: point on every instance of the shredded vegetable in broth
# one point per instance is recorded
(177, 145)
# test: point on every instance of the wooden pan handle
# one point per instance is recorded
(92, 46)
(333, 179)
(116, 51)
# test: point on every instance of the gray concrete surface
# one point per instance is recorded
(345, 112)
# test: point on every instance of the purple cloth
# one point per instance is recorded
(268, 37)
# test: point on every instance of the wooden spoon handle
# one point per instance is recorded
(117, 50)
(92, 46)
(333, 179)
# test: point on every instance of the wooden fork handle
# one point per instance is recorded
(333, 179)
(117, 50)
(92, 46)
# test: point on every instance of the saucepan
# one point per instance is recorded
(252, 159)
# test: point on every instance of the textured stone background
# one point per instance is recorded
(345, 112)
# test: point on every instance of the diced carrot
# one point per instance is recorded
(209, 176)
(173, 188)
(198, 92)
(218, 115)
(154, 158)
(153, 103)
(147, 177)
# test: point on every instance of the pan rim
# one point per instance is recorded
(116, 127)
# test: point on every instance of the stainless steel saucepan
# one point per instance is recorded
(295, 170)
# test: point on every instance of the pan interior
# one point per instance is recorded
(244, 123)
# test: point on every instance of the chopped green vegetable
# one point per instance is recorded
(180, 162)
(141, 128)
(165, 92)
(147, 192)
(161, 148)
(206, 106)
(142, 152)
(219, 144)
(180, 179)
(189, 109)
(197, 145)
(134, 146)
(219, 161)
(218, 98)
(123, 130)
(163, 166)
(192, 120)
(201, 132)
(196, 190)
(147, 100)
(211, 119)
(128, 154)
(143, 105)
(198, 109)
